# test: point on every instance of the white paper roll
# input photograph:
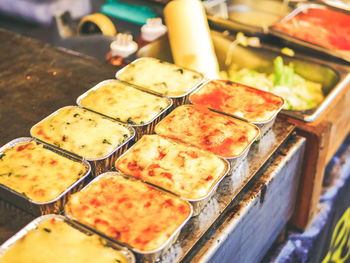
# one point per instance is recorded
(189, 37)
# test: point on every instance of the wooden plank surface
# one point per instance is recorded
(37, 79)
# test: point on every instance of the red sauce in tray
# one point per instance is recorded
(220, 134)
(130, 211)
(324, 27)
(238, 100)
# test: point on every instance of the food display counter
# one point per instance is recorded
(319, 124)
(278, 179)
(45, 78)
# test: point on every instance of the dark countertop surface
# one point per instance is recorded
(36, 79)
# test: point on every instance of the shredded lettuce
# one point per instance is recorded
(298, 93)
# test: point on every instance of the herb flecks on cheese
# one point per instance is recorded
(88, 134)
(194, 124)
(180, 168)
(54, 241)
(38, 173)
(130, 211)
(120, 101)
(161, 77)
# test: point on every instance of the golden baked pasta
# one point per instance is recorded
(129, 211)
(238, 100)
(56, 241)
(223, 135)
(185, 170)
(120, 101)
(38, 173)
(161, 77)
(82, 132)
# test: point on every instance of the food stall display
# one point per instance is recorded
(208, 184)
(279, 137)
(315, 124)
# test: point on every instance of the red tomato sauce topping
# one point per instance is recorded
(323, 27)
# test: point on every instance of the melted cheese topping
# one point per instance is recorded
(130, 211)
(161, 77)
(124, 103)
(56, 241)
(238, 100)
(218, 133)
(177, 167)
(82, 132)
(36, 172)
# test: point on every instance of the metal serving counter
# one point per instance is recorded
(36, 79)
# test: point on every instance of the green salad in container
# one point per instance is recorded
(298, 93)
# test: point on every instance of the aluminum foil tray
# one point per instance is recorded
(142, 256)
(105, 163)
(263, 126)
(197, 204)
(34, 224)
(140, 129)
(39, 208)
(177, 100)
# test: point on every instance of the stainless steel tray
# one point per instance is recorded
(177, 100)
(105, 163)
(141, 129)
(34, 224)
(341, 54)
(143, 256)
(39, 208)
(197, 204)
(334, 77)
(235, 14)
(338, 4)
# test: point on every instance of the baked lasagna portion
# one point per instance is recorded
(185, 170)
(38, 173)
(238, 100)
(161, 77)
(82, 132)
(130, 211)
(56, 241)
(121, 101)
(194, 124)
